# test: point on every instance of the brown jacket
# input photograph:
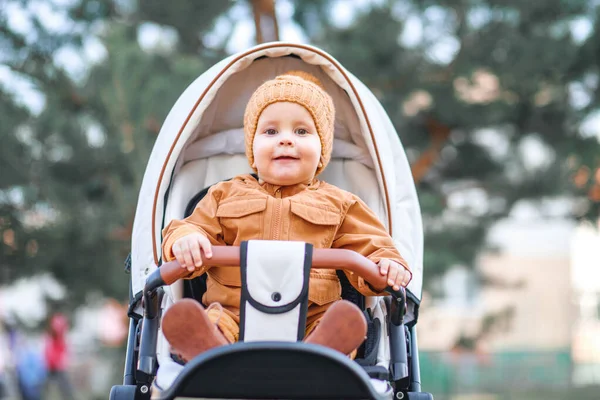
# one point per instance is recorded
(319, 213)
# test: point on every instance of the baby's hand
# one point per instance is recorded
(397, 275)
(187, 250)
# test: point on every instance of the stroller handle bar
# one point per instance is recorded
(229, 256)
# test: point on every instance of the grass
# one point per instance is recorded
(587, 393)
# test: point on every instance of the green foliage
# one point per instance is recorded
(192, 19)
(471, 82)
(505, 67)
(71, 174)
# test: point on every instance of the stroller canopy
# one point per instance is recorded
(207, 119)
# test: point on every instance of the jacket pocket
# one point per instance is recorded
(313, 225)
(315, 215)
(324, 287)
(242, 219)
(241, 208)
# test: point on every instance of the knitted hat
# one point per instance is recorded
(297, 87)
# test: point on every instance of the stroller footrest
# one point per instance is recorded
(377, 372)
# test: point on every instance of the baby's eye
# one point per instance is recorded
(301, 131)
(271, 131)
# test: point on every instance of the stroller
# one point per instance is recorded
(201, 143)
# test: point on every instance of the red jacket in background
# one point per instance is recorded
(56, 345)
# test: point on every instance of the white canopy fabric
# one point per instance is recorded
(206, 121)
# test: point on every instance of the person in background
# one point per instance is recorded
(56, 356)
(5, 359)
(26, 365)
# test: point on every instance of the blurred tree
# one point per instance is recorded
(71, 171)
(488, 98)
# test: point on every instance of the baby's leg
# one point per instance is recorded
(228, 326)
(190, 329)
(343, 327)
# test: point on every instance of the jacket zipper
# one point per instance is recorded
(277, 218)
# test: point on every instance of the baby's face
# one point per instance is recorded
(287, 147)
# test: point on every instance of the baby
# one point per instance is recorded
(288, 127)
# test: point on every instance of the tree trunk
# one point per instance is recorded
(439, 134)
(265, 21)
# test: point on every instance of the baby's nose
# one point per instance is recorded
(286, 140)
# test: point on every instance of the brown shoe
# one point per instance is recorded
(342, 328)
(189, 330)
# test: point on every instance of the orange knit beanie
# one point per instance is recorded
(296, 87)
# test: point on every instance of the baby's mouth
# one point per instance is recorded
(285, 158)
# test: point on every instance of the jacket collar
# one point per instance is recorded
(285, 191)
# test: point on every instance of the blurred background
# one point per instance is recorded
(497, 103)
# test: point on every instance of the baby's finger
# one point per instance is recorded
(187, 255)
(392, 274)
(405, 276)
(178, 255)
(399, 278)
(384, 265)
(408, 278)
(195, 250)
(206, 246)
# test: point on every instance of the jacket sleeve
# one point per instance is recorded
(203, 220)
(362, 231)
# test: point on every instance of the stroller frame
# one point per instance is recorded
(365, 140)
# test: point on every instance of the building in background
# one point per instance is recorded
(533, 321)
(585, 279)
